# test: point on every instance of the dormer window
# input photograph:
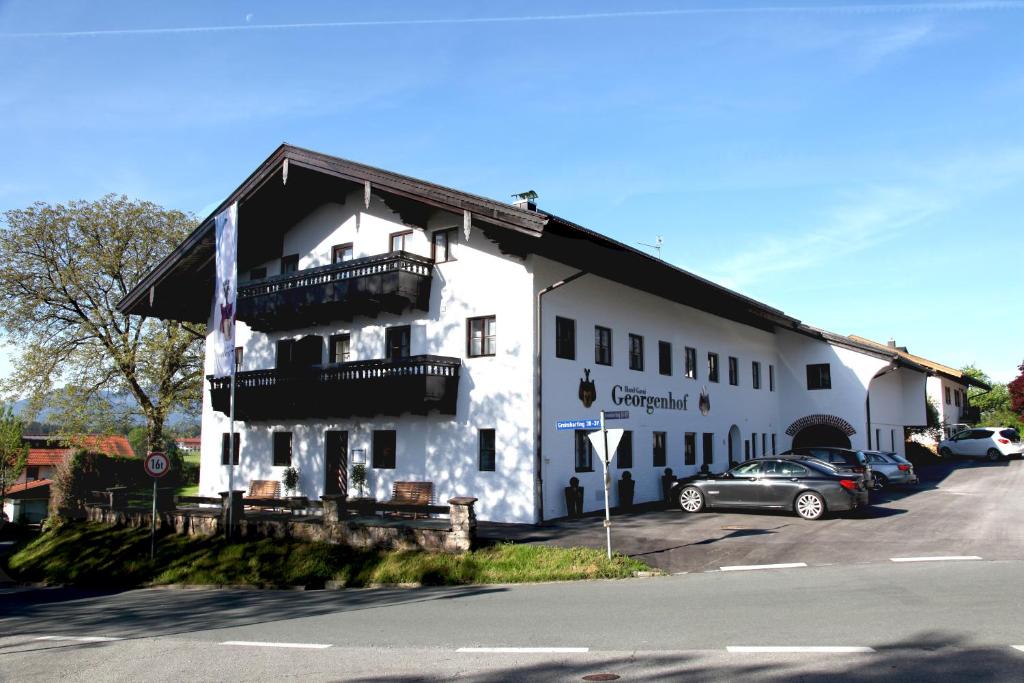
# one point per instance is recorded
(398, 240)
(441, 245)
(341, 253)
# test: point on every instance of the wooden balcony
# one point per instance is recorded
(392, 283)
(418, 384)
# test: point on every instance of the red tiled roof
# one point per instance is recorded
(111, 445)
(17, 489)
(192, 441)
(47, 456)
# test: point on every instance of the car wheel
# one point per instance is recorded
(809, 505)
(994, 454)
(945, 452)
(691, 499)
(880, 481)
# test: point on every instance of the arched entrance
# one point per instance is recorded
(735, 445)
(821, 435)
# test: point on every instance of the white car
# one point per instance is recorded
(983, 442)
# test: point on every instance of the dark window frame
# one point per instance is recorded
(286, 262)
(487, 449)
(636, 360)
(707, 448)
(239, 358)
(584, 451)
(224, 448)
(690, 448)
(379, 459)
(484, 337)
(341, 248)
(690, 368)
(771, 377)
(712, 367)
(624, 452)
(659, 449)
(819, 376)
(391, 240)
(283, 439)
(755, 374)
(664, 358)
(565, 343)
(389, 334)
(599, 348)
(450, 235)
(948, 392)
(258, 273)
(332, 356)
(734, 371)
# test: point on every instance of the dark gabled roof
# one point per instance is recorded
(934, 368)
(181, 286)
(855, 345)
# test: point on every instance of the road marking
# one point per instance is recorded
(523, 650)
(1018, 647)
(940, 558)
(745, 567)
(819, 649)
(254, 643)
(81, 639)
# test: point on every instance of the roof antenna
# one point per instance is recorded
(656, 246)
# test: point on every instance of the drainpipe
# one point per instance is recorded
(538, 344)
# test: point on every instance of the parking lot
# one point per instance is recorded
(960, 508)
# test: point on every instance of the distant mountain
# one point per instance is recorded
(176, 420)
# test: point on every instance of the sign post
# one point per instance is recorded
(157, 465)
(606, 442)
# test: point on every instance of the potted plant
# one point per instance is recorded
(359, 477)
(291, 481)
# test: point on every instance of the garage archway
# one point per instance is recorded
(821, 435)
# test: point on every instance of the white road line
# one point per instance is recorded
(818, 649)
(1018, 647)
(746, 567)
(523, 650)
(939, 558)
(81, 639)
(254, 643)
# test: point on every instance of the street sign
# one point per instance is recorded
(156, 464)
(582, 423)
(617, 415)
(598, 440)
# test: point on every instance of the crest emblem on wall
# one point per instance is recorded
(588, 390)
(704, 402)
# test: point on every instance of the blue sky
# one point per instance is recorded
(859, 166)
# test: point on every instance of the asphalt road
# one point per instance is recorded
(959, 508)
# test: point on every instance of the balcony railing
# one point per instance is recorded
(391, 282)
(418, 384)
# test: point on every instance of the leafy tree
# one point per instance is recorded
(1016, 392)
(66, 267)
(138, 437)
(13, 453)
(995, 405)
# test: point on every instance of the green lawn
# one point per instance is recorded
(88, 554)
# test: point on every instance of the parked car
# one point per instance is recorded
(804, 485)
(889, 468)
(843, 459)
(992, 443)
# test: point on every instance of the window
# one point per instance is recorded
(734, 371)
(32, 472)
(713, 367)
(239, 354)
(300, 353)
(755, 374)
(384, 446)
(341, 253)
(691, 362)
(709, 448)
(396, 341)
(339, 349)
(764, 444)
(284, 353)
(486, 450)
(746, 449)
(584, 452)
(565, 338)
(750, 469)
(282, 449)
(224, 438)
(892, 440)
(774, 451)
(398, 240)
(956, 398)
(878, 438)
(480, 334)
(624, 453)
(602, 345)
(659, 449)
(690, 449)
(753, 444)
(636, 352)
(289, 264)
(441, 245)
(664, 358)
(771, 378)
(819, 376)
(258, 273)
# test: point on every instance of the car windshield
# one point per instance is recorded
(1010, 434)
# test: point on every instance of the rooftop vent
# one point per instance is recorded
(525, 200)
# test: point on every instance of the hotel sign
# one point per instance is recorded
(623, 395)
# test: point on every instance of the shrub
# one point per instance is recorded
(83, 472)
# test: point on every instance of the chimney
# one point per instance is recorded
(525, 200)
(892, 343)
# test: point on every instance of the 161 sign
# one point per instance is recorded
(157, 464)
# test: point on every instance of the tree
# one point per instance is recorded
(1016, 391)
(13, 453)
(995, 404)
(66, 267)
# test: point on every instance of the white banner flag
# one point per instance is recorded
(225, 291)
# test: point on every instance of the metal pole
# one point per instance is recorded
(607, 483)
(152, 526)
(231, 453)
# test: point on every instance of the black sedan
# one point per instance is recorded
(807, 486)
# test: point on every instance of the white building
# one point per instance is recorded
(440, 336)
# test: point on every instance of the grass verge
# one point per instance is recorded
(98, 555)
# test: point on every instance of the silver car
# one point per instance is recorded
(890, 468)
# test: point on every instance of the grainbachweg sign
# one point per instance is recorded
(637, 396)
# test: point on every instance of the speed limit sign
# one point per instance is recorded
(157, 464)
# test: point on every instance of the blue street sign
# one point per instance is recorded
(616, 415)
(584, 423)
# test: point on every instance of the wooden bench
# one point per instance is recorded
(412, 493)
(264, 488)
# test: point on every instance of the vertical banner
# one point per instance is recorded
(225, 291)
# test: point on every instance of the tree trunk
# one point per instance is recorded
(155, 426)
